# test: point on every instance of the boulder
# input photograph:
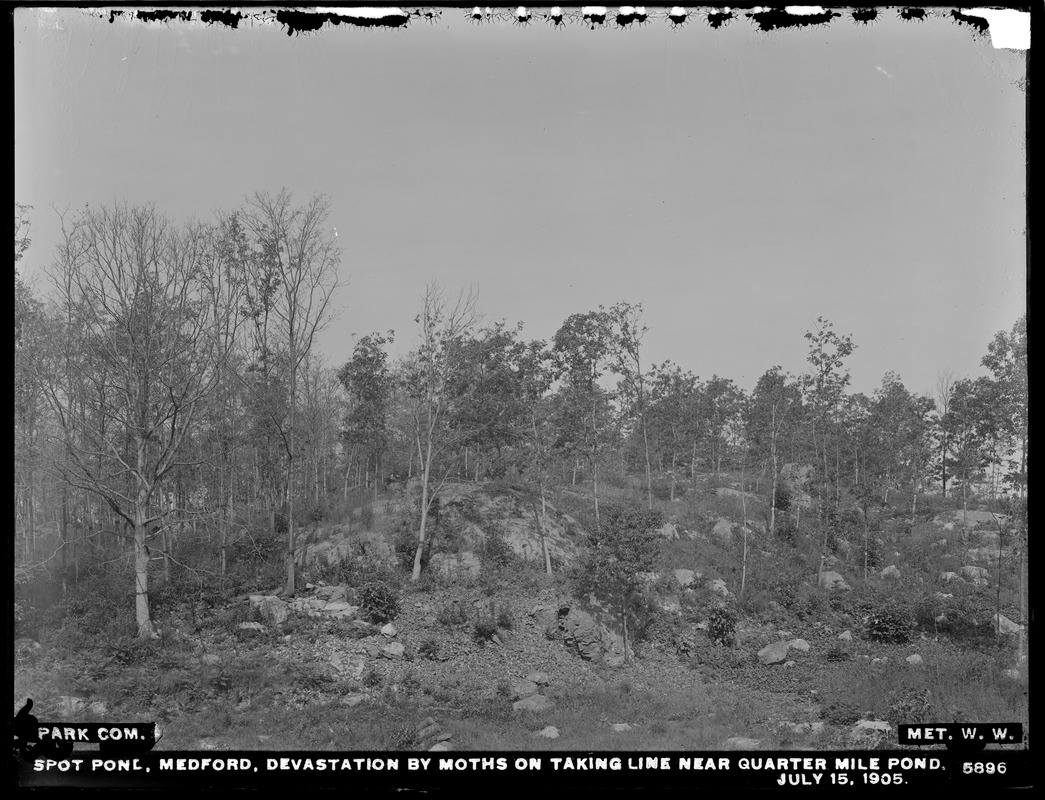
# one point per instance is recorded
(974, 573)
(845, 636)
(523, 689)
(252, 626)
(869, 731)
(775, 653)
(592, 640)
(1006, 625)
(389, 630)
(718, 586)
(540, 678)
(668, 531)
(455, 567)
(393, 651)
(620, 727)
(890, 573)
(801, 645)
(272, 609)
(535, 702)
(548, 732)
(685, 577)
(947, 577)
(914, 660)
(832, 580)
(723, 531)
(349, 664)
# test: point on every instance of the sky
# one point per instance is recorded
(737, 184)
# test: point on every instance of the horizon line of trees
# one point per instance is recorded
(168, 383)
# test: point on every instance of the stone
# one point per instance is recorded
(974, 573)
(540, 678)
(775, 653)
(548, 732)
(272, 609)
(742, 743)
(723, 530)
(393, 651)
(685, 577)
(833, 581)
(440, 747)
(522, 689)
(845, 636)
(98, 708)
(943, 596)
(210, 659)
(788, 664)
(947, 577)
(389, 630)
(69, 705)
(620, 727)
(339, 609)
(872, 726)
(352, 700)
(800, 644)
(535, 702)
(915, 660)
(807, 727)
(1011, 674)
(890, 573)
(1006, 625)
(718, 586)
(351, 664)
(668, 531)
(592, 640)
(252, 626)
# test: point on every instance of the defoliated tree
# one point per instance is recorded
(144, 334)
(628, 330)
(429, 383)
(768, 416)
(297, 263)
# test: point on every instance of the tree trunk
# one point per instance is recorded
(146, 630)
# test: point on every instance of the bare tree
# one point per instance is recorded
(297, 264)
(944, 391)
(429, 373)
(139, 351)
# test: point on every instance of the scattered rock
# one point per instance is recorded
(915, 660)
(549, 732)
(540, 678)
(339, 609)
(440, 747)
(845, 636)
(800, 644)
(210, 659)
(891, 573)
(832, 580)
(535, 702)
(352, 700)
(742, 743)
(252, 626)
(1011, 674)
(393, 651)
(867, 730)
(389, 630)
(352, 665)
(806, 727)
(943, 596)
(947, 577)
(788, 664)
(775, 653)
(620, 727)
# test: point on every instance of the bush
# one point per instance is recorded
(429, 649)
(379, 601)
(722, 626)
(786, 528)
(782, 498)
(451, 614)
(890, 623)
(484, 630)
(496, 552)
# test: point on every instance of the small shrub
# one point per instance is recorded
(836, 653)
(496, 552)
(841, 712)
(786, 528)
(371, 678)
(890, 623)
(722, 627)
(379, 601)
(505, 620)
(429, 649)
(484, 630)
(451, 614)
(782, 501)
(402, 737)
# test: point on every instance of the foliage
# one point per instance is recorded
(722, 626)
(891, 622)
(379, 601)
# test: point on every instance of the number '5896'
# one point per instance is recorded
(983, 768)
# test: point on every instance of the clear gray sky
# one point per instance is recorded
(738, 184)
